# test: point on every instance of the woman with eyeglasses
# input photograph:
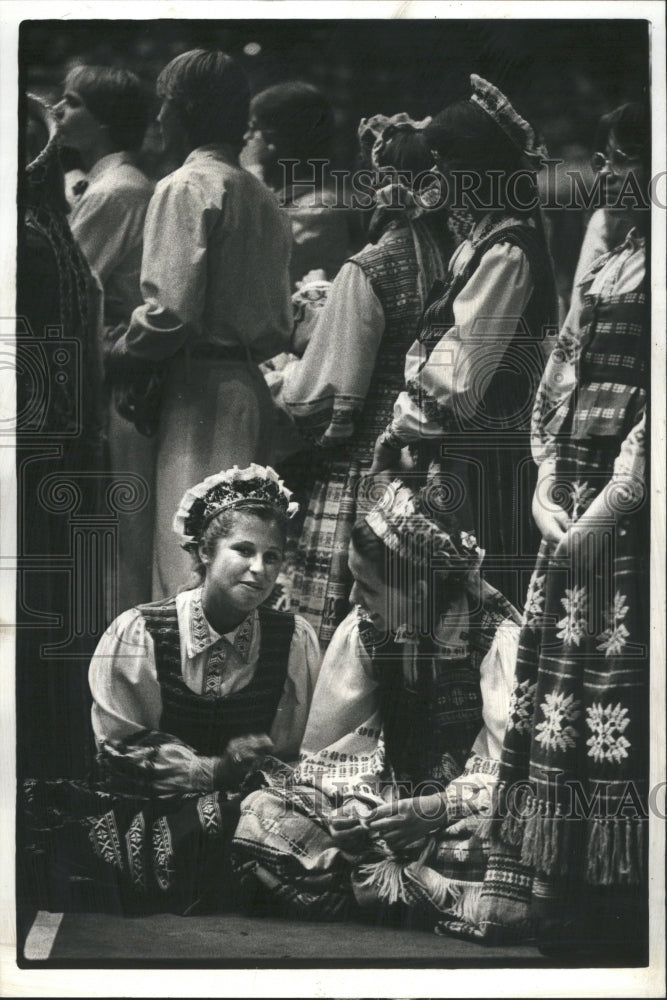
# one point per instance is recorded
(577, 737)
(606, 227)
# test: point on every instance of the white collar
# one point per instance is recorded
(107, 163)
(633, 242)
(200, 635)
(214, 151)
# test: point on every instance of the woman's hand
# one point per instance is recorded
(242, 755)
(408, 822)
(346, 831)
(385, 456)
(551, 520)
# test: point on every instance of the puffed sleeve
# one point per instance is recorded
(123, 680)
(486, 312)
(126, 713)
(342, 747)
(325, 391)
(302, 672)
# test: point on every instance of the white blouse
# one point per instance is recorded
(329, 384)
(485, 319)
(342, 743)
(126, 692)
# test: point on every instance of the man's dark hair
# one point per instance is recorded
(117, 99)
(212, 94)
(297, 118)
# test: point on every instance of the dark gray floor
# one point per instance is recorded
(230, 938)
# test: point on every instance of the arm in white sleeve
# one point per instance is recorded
(173, 271)
(326, 389)
(486, 314)
(302, 672)
(631, 460)
(126, 713)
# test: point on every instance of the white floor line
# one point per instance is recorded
(41, 936)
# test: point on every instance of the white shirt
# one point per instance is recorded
(329, 384)
(215, 264)
(107, 221)
(126, 691)
(345, 716)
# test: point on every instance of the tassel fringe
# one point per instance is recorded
(385, 878)
(615, 852)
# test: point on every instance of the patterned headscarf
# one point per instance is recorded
(407, 523)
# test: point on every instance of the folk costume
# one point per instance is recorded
(152, 832)
(472, 372)
(393, 717)
(578, 727)
(340, 393)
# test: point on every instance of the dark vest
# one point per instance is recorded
(429, 729)
(206, 722)
(511, 388)
(391, 267)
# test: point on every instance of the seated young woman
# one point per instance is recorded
(189, 694)
(402, 743)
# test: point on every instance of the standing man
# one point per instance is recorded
(103, 115)
(215, 285)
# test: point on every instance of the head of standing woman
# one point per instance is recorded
(487, 153)
(234, 525)
(102, 111)
(205, 100)
(623, 161)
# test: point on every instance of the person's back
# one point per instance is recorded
(226, 215)
(215, 286)
(107, 221)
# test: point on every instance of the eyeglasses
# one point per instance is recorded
(617, 160)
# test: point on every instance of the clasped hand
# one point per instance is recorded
(400, 825)
(242, 755)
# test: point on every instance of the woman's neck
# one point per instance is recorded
(222, 619)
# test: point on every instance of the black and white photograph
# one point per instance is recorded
(332, 477)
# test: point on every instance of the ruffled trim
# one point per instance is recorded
(227, 489)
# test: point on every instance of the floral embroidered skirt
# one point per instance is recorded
(574, 774)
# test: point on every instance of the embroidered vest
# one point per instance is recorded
(613, 366)
(516, 378)
(430, 727)
(206, 722)
(391, 266)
